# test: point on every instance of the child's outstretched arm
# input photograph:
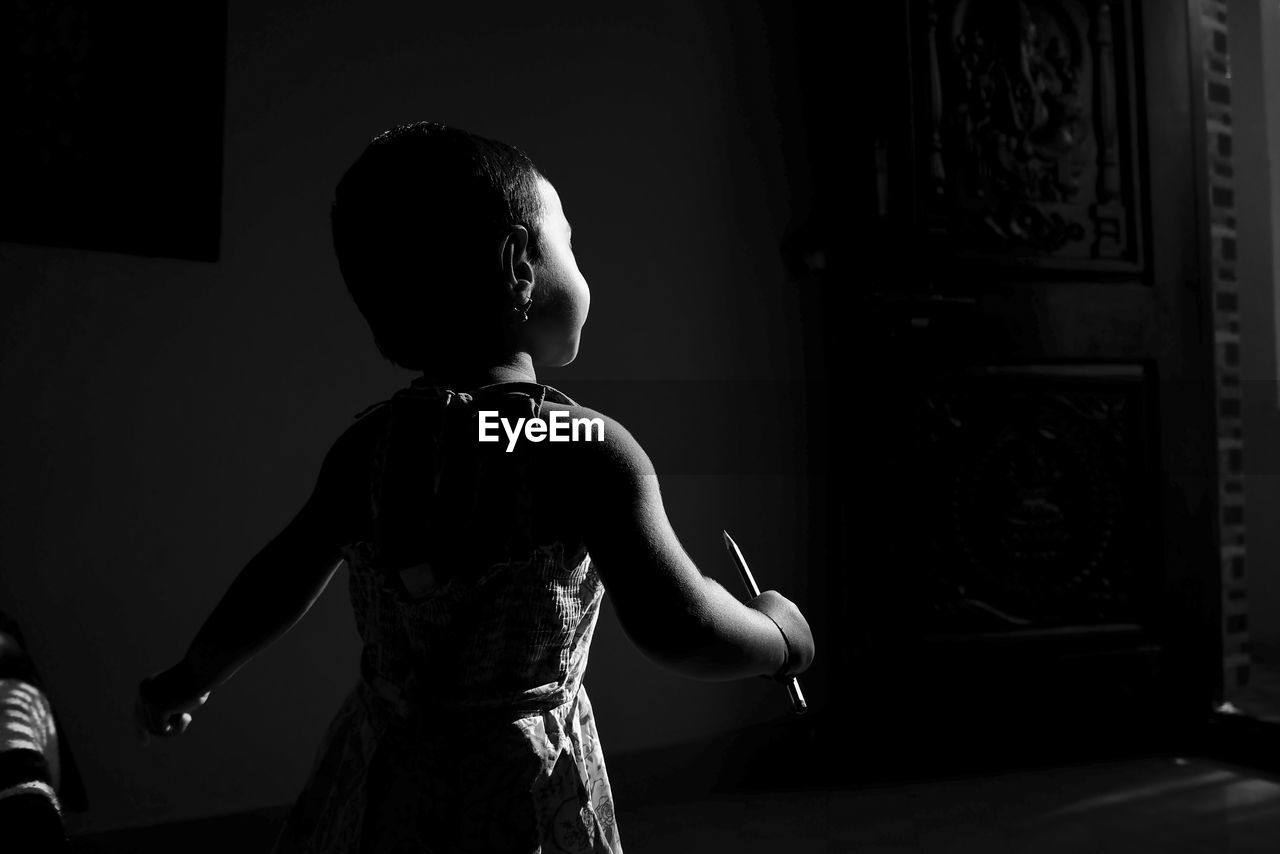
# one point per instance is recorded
(269, 596)
(678, 617)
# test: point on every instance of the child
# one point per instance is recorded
(476, 569)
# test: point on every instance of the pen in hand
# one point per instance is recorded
(793, 685)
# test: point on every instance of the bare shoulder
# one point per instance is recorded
(602, 449)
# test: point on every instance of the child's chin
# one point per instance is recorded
(564, 357)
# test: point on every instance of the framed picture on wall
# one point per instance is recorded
(113, 126)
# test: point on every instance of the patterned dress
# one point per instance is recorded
(469, 728)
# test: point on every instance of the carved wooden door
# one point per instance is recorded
(1017, 369)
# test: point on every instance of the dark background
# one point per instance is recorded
(177, 352)
(163, 417)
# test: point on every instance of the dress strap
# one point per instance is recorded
(558, 396)
(419, 389)
(362, 413)
(539, 392)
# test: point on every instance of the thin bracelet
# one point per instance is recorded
(786, 665)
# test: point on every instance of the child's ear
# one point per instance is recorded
(517, 269)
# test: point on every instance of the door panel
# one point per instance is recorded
(1018, 365)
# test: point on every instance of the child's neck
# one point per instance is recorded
(516, 368)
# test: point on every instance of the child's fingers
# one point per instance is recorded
(149, 722)
(156, 714)
(175, 725)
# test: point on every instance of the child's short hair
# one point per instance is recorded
(417, 222)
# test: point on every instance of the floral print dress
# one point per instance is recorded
(469, 728)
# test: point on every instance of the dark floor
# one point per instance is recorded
(1158, 804)
(1166, 805)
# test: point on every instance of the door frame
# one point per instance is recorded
(1223, 734)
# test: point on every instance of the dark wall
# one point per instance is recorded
(163, 418)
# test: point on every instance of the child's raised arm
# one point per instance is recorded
(678, 617)
(271, 594)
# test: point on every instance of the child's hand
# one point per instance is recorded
(795, 628)
(165, 702)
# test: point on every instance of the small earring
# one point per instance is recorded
(523, 310)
